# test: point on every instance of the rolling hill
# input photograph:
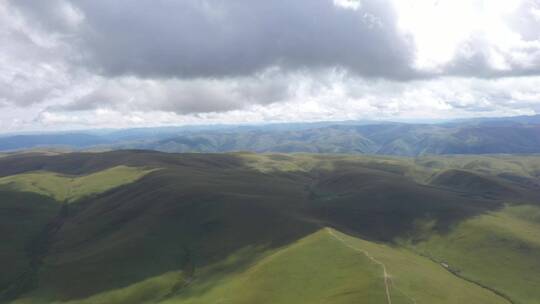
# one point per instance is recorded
(152, 227)
(476, 136)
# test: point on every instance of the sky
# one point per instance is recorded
(67, 64)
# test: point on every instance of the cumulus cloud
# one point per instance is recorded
(125, 63)
(476, 38)
(336, 95)
(30, 68)
(477, 58)
(214, 38)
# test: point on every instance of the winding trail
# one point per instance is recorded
(385, 273)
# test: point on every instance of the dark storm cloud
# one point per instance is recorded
(216, 38)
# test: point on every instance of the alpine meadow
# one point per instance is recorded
(270, 152)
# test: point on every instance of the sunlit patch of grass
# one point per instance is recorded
(66, 188)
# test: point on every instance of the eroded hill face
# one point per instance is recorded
(146, 227)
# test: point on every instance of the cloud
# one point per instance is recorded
(479, 58)
(183, 96)
(348, 4)
(188, 39)
(333, 95)
(473, 38)
(125, 63)
(329, 95)
(213, 38)
(32, 60)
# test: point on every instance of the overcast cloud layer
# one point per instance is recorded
(98, 63)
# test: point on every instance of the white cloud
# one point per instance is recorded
(536, 13)
(32, 60)
(348, 4)
(471, 59)
(446, 29)
(333, 95)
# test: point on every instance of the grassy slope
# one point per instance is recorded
(65, 188)
(523, 165)
(316, 269)
(420, 169)
(22, 218)
(145, 292)
(324, 267)
(185, 216)
(29, 204)
(331, 267)
(419, 279)
(500, 250)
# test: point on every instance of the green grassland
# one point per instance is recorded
(420, 168)
(500, 249)
(331, 267)
(250, 228)
(315, 269)
(148, 291)
(324, 267)
(418, 279)
(68, 188)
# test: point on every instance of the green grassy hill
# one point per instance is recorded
(331, 267)
(315, 269)
(499, 249)
(147, 227)
(324, 267)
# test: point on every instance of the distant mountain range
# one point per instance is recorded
(473, 136)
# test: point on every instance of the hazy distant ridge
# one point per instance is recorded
(476, 136)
